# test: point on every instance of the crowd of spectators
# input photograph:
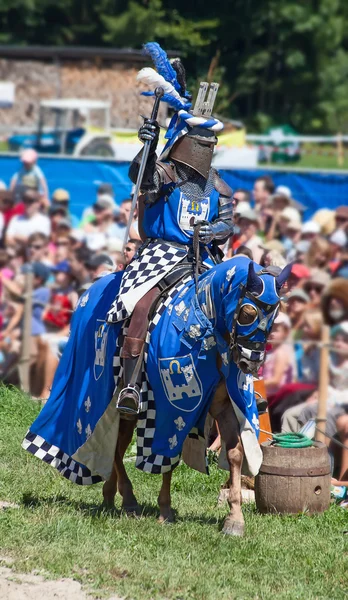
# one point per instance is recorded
(65, 254)
(38, 232)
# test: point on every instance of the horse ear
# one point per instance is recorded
(254, 283)
(283, 276)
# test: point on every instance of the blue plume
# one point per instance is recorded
(173, 102)
(162, 63)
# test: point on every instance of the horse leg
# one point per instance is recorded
(129, 501)
(229, 428)
(164, 499)
(110, 488)
(118, 475)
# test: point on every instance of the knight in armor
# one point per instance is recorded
(180, 190)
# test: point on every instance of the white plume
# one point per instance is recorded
(154, 79)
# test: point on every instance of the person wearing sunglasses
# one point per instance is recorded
(315, 286)
(37, 248)
(130, 250)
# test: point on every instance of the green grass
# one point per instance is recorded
(58, 530)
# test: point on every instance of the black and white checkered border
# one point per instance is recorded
(52, 455)
(155, 260)
(57, 458)
(146, 460)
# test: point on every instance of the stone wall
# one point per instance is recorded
(36, 80)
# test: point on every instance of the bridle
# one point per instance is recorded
(265, 313)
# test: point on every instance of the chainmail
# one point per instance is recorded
(193, 185)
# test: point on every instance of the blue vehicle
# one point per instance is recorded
(70, 132)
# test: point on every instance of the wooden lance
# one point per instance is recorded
(159, 92)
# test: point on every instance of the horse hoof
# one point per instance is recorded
(132, 510)
(108, 503)
(166, 518)
(235, 528)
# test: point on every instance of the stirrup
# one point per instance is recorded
(128, 401)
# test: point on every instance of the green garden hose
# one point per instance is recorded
(291, 440)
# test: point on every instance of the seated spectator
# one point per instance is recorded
(100, 265)
(338, 242)
(307, 356)
(61, 198)
(77, 239)
(341, 218)
(298, 276)
(63, 298)
(241, 195)
(315, 286)
(130, 250)
(57, 316)
(334, 301)
(8, 209)
(118, 229)
(102, 220)
(38, 248)
(310, 231)
(248, 224)
(326, 221)
(30, 176)
(297, 306)
(78, 264)
(337, 393)
(120, 261)
(279, 368)
(31, 221)
(245, 251)
(319, 253)
(262, 192)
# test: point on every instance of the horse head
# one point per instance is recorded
(252, 319)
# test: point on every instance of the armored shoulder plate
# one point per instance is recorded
(221, 186)
(166, 172)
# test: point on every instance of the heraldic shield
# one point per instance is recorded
(181, 383)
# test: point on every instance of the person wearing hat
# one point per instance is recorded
(63, 297)
(29, 176)
(315, 286)
(297, 304)
(31, 221)
(61, 199)
(248, 223)
(298, 276)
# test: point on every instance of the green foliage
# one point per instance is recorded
(280, 60)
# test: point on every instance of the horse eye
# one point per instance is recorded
(247, 315)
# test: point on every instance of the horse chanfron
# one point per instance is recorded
(254, 316)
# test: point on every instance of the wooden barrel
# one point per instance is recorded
(293, 480)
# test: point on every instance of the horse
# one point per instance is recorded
(206, 341)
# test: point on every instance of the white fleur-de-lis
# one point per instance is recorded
(209, 342)
(230, 273)
(88, 431)
(194, 331)
(224, 357)
(255, 422)
(88, 404)
(173, 441)
(79, 426)
(84, 300)
(180, 423)
(179, 309)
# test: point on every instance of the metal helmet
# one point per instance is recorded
(195, 150)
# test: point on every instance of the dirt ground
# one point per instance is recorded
(15, 586)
